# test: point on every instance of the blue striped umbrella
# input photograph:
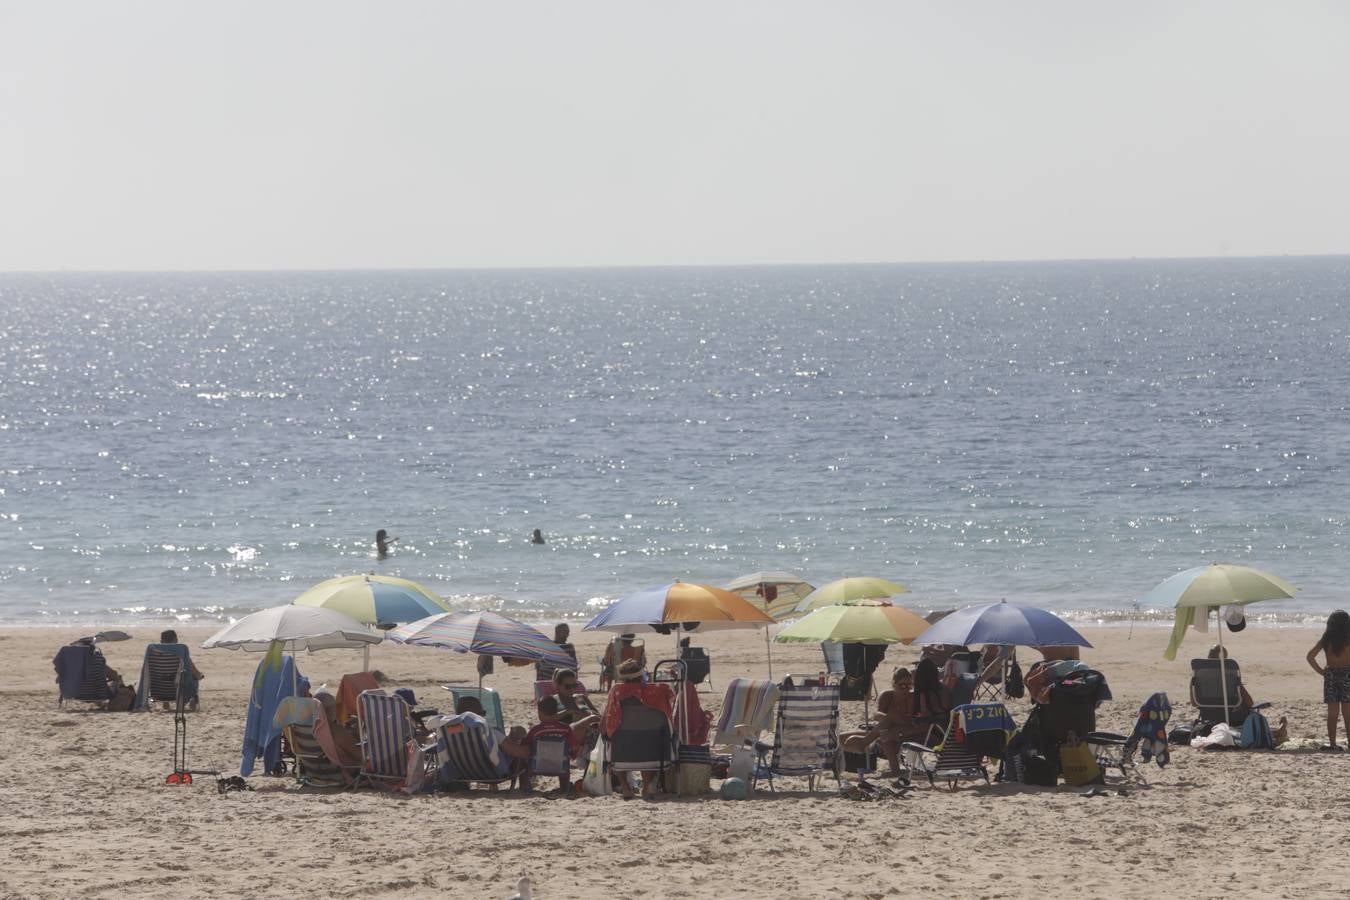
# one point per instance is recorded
(373, 599)
(486, 633)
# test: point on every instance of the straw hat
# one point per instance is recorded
(630, 670)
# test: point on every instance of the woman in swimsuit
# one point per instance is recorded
(1335, 643)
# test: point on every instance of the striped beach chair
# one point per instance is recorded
(467, 751)
(974, 731)
(806, 736)
(316, 763)
(491, 700)
(747, 709)
(386, 730)
(551, 755)
(161, 677)
(93, 684)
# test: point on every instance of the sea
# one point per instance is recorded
(191, 447)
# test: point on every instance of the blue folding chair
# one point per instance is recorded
(386, 730)
(467, 751)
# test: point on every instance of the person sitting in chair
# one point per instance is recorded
(896, 722)
(348, 747)
(1243, 701)
(572, 704)
(655, 695)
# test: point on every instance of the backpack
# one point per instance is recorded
(1256, 733)
(123, 699)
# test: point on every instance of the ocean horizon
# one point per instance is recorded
(193, 446)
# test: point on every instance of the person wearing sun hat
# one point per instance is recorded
(656, 695)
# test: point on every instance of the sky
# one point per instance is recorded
(302, 135)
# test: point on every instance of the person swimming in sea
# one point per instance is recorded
(537, 537)
(382, 542)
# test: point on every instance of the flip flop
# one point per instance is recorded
(1332, 748)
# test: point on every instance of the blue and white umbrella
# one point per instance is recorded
(1004, 623)
(485, 633)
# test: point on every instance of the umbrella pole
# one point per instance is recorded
(1223, 661)
(365, 657)
(768, 651)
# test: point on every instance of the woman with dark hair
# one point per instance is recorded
(1335, 643)
(931, 703)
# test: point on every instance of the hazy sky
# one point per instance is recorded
(181, 135)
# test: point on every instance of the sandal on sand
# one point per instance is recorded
(1095, 792)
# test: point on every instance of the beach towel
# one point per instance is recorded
(750, 702)
(275, 679)
(1196, 617)
(189, 684)
(1150, 729)
(349, 689)
(297, 711)
(984, 728)
(81, 673)
(692, 722)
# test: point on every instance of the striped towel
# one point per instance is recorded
(749, 702)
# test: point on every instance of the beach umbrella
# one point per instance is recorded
(1003, 623)
(846, 589)
(296, 628)
(776, 593)
(679, 606)
(374, 600)
(1195, 591)
(859, 622)
(484, 633)
(863, 622)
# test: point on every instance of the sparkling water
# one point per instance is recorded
(1069, 434)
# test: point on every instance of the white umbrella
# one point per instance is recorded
(1215, 585)
(297, 627)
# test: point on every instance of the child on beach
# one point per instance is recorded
(1335, 644)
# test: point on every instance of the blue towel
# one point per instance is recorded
(71, 662)
(1150, 730)
(275, 680)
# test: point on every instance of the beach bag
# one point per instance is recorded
(596, 780)
(1079, 764)
(123, 699)
(1256, 733)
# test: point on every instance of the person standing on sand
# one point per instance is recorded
(1335, 644)
(382, 542)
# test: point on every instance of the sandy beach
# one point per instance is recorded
(87, 813)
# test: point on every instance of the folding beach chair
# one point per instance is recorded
(1207, 692)
(467, 751)
(806, 735)
(491, 700)
(644, 740)
(163, 670)
(386, 730)
(316, 762)
(974, 731)
(550, 755)
(1148, 739)
(81, 674)
(833, 651)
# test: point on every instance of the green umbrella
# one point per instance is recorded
(1194, 591)
(848, 589)
(860, 622)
